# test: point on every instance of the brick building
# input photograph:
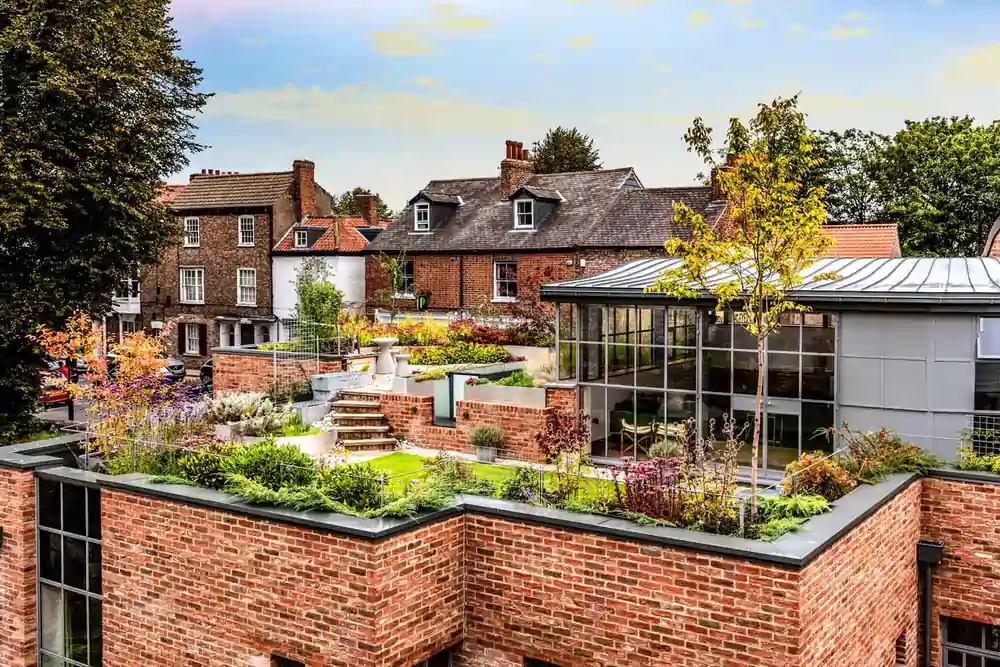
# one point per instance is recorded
(98, 570)
(217, 282)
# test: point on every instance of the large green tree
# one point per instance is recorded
(940, 179)
(564, 150)
(849, 173)
(345, 204)
(96, 107)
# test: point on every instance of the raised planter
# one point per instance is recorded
(316, 444)
(329, 383)
(311, 412)
(533, 356)
(486, 454)
(529, 397)
(411, 387)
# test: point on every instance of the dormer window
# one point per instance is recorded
(422, 217)
(301, 238)
(524, 214)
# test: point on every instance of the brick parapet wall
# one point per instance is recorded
(566, 399)
(255, 371)
(17, 568)
(965, 516)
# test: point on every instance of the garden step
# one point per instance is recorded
(356, 415)
(367, 405)
(363, 429)
(356, 445)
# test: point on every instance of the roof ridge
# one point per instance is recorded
(198, 177)
(587, 171)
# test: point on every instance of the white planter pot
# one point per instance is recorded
(425, 388)
(403, 365)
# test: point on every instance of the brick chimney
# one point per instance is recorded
(717, 192)
(367, 205)
(516, 169)
(304, 188)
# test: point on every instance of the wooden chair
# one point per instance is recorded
(635, 439)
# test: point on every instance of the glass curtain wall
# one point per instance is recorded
(645, 372)
(69, 575)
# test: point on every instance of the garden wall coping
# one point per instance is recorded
(956, 475)
(40, 453)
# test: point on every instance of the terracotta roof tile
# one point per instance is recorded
(871, 240)
(169, 193)
(233, 190)
(351, 239)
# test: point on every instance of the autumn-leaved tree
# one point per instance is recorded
(753, 265)
(563, 150)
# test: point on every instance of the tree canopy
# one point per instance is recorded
(345, 204)
(96, 107)
(319, 302)
(564, 150)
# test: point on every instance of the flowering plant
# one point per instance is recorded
(650, 487)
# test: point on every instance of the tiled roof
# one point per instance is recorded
(644, 218)
(484, 220)
(169, 193)
(233, 190)
(351, 239)
(871, 240)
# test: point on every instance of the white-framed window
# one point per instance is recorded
(524, 214)
(128, 326)
(192, 339)
(989, 338)
(422, 217)
(301, 238)
(246, 287)
(192, 285)
(192, 232)
(246, 230)
(405, 288)
(504, 281)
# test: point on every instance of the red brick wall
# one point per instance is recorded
(578, 599)
(966, 517)
(17, 568)
(565, 399)
(185, 586)
(860, 595)
(520, 424)
(257, 372)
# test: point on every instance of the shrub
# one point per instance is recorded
(666, 448)
(269, 421)
(565, 432)
(486, 435)
(816, 474)
(650, 487)
(517, 379)
(969, 459)
(775, 528)
(204, 466)
(426, 376)
(872, 455)
(234, 407)
(791, 507)
(357, 485)
(460, 352)
(522, 486)
(271, 465)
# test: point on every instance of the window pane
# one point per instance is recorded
(816, 416)
(966, 633)
(682, 327)
(621, 365)
(49, 556)
(94, 567)
(593, 323)
(567, 321)
(680, 408)
(74, 509)
(782, 440)
(955, 659)
(782, 375)
(94, 513)
(682, 368)
(992, 638)
(645, 324)
(49, 661)
(76, 626)
(742, 339)
(650, 367)
(713, 410)
(75, 563)
(745, 373)
(49, 505)
(53, 621)
(567, 361)
(973, 661)
(819, 333)
(987, 396)
(659, 326)
(622, 326)
(96, 633)
(817, 377)
(717, 371)
(592, 362)
(989, 337)
(718, 330)
(786, 338)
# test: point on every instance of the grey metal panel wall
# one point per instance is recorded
(913, 373)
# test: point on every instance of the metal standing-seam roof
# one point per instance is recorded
(952, 281)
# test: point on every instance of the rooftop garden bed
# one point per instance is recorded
(424, 333)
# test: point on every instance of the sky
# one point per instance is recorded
(390, 94)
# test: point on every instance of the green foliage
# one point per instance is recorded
(799, 506)
(873, 455)
(849, 174)
(775, 528)
(204, 466)
(429, 375)
(646, 520)
(969, 459)
(486, 435)
(272, 465)
(356, 485)
(319, 302)
(346, 206)
(98, 106)
(460, 352)
(520, 486)
(564, 150)
(235, 407)
(517, 379)
(814, 473)
(456, 476)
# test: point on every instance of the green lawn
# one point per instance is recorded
(403, 467)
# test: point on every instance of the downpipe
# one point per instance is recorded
(930, 553)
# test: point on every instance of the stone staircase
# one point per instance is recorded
(360, 422)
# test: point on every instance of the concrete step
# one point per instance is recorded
(369, 444)
(350, 405)
(361, 429)
(357, 415)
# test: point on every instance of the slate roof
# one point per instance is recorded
(351, 240)
(233, 190)
(869, 240)
(484, 220)
(644, 218)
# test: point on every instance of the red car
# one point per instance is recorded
(54, 393)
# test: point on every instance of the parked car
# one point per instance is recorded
(54, 392)
(206, 375)
(175, 369)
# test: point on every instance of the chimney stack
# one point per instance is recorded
(304, 188)
(730, 164)
(516, 169)
(367, 205)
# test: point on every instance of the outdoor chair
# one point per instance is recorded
(636, 439)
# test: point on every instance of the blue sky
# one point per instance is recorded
(397, 92)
